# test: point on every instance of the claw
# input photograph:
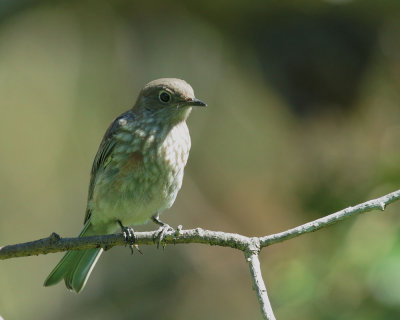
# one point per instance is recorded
(129, 236)
(161, 233)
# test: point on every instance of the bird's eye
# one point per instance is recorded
(164, 96)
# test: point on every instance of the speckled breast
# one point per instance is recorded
(145, 174)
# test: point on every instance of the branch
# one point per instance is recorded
(54, 243)
(258, 282)
(379, 204)
(250, 246)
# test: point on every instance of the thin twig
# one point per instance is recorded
(258, 282)
(379, 203)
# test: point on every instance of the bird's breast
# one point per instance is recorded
(174, 149)
(166, 162)
(145, 174)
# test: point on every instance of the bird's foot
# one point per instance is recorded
(129, 236)
(162, 231)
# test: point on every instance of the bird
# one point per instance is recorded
(136, 173)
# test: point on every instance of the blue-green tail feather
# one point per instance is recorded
(75, 267)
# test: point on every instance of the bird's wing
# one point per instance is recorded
(104, 153)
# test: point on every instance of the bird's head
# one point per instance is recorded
(167, 98)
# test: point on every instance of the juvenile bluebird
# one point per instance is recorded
(136, 173)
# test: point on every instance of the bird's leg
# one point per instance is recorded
(162, 231)
(129, 236)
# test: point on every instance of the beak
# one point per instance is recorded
(196, 103)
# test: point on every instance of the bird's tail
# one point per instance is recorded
(75, 267)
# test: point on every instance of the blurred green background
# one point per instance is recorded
(303, 120)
